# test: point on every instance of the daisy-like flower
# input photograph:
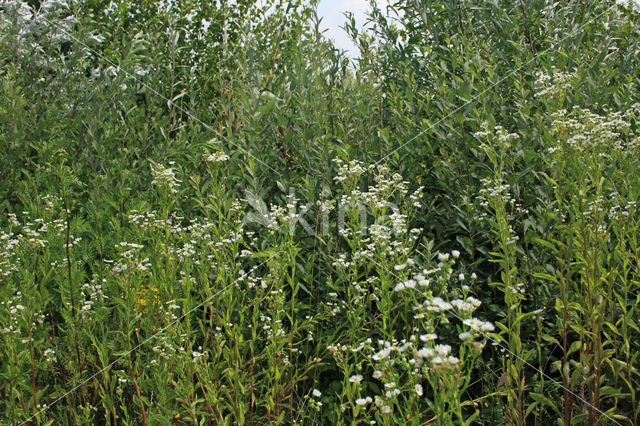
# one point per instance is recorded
(443, 257)
(465, 336)
(487, 326)
(418, 389)
(478, 325)
(316, 393)
(364, 401)
(356, 378)
(462, 305)
(404, 347)
(423, 282)
(391, 393)
(474, 323)
(445, 361)
(475, 302)
(217, 157)
(426, 353)
(452, 360)
(443, 350)
(50, 354)
(428, 337)
(438, 305)
(378, 356)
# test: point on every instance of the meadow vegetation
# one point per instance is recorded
(210, 215)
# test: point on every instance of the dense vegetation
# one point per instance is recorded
(211, 215)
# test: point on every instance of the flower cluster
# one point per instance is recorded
(15, 308)
(584, 130)
(377, 196)
(92, 293)
(32, 234)
(479, 325)
(401, 365)
(468, 305)
(164, 177)
(129, 258)
(50, 355)
(553, 86)
(438, 356)
(146, 297)
(499, 136)
(8, 258)
(348, 171)
(166, 349)
(198, 356)
(285, 218)
(217, 157)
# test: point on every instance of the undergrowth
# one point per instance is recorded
(210, 215)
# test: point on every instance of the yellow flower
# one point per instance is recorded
(145, 298)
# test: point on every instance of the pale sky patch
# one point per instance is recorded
(332, 14)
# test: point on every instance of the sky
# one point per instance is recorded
(332, 14)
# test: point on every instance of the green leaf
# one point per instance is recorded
(575, 346)
(546, 276)
(543, 400)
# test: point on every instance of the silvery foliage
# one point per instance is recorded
(44, 46)
(44, 37)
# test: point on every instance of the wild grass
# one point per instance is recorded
(209, 215)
